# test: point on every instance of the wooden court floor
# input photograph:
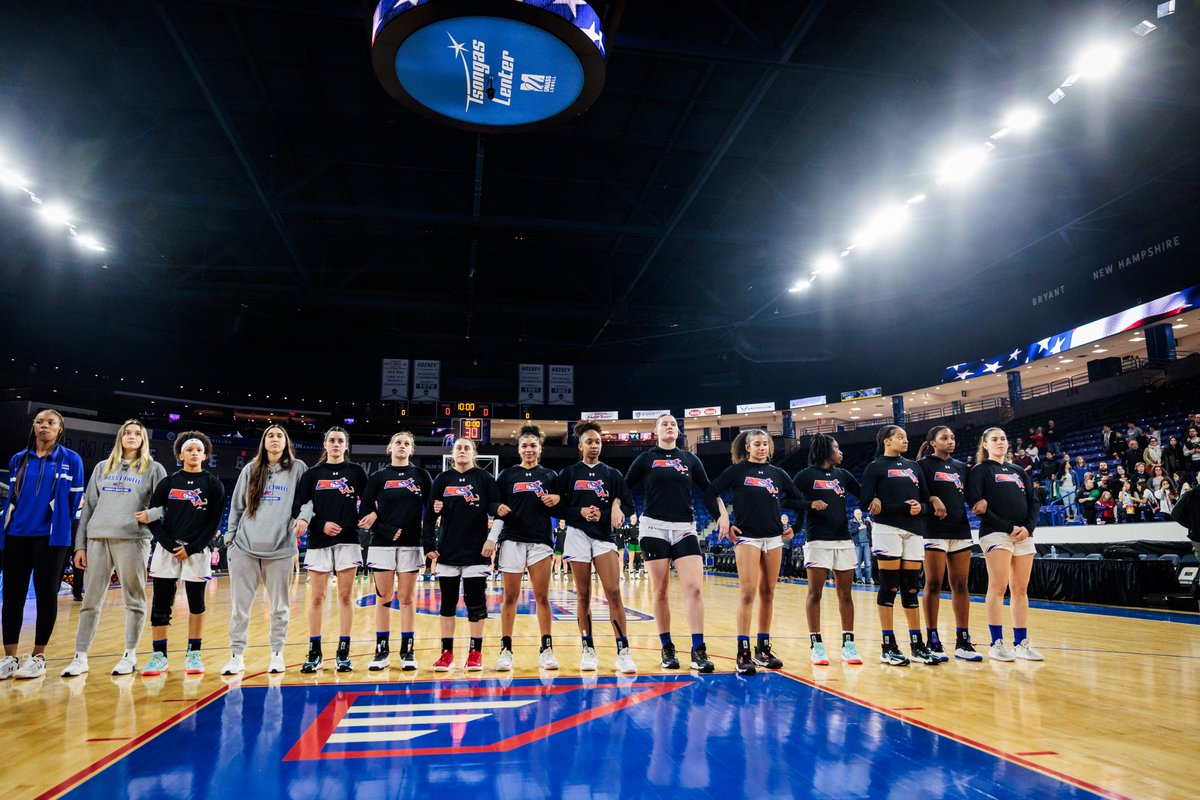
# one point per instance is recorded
(1113, 710)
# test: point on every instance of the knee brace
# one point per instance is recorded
(449, 587)
(164, 598)
(910, 588)
(195, 596)
(889, 584)
(475, 590)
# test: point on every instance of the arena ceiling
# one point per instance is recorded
(266, 203)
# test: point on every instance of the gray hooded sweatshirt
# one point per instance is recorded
(111, 500)
(268, 534)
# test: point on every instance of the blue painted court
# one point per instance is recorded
(662, 736)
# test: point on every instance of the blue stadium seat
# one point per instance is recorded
(1095, 556)
(1174, 559)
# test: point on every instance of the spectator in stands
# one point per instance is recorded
(1037, 438)
(1050, 471)
(1133, 455)
(1187, 513)
(1172, 457)
(1087, 496)
(1067, 494)
(1127, 504)
(1152, 432)
(1117, 447)
(1166, 502)
(1153, 454)
(1147, 503)
(1158, 477)
(860, 531)
(1115, 483)
(1106, 438)
(1039, 491)
(1022, 459)
(1105, 508)
(1132, 431)
(1191, 450)
(1080, 470)
(1050, 435)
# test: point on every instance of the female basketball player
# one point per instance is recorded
(462, 496)
(828, 548)
(260, 544)
(758, 490)
(109, 538)
(522, 529)
(328, 504)
(183, 517)
(46, 489)
(1006, 526)
(894, 490)
(594, 499)
(668, 535)
(947, 539)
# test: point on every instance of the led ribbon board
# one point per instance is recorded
(490, 65)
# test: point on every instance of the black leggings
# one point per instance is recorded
(26, 556)
(164, 599)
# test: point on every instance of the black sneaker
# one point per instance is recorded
(893, 657)
(342, 659)
(967, 652)
(763, 657)
(744, 664)
(383, 657)
(700, 661)
(669, 661)
(313, 662)
(408, 656)
(938, 651)
(923, 655)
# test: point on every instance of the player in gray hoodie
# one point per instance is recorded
(108, 538)
(261, 545)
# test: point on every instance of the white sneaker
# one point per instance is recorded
(78, 666)
(34, 667)
(277, 665)
(588, 661)
(1027, 651)
(546, 659)
(127, 665)
(8, 667)
(234, 665)
(1001, 652)
(505, 662)
(625, 663)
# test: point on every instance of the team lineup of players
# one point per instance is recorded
(464, 518)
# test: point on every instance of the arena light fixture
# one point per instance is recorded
(10, 177)
(826, 264)
(1166, 9)
(916, 199)
(961, 165)
(56, 213)
(1099, 60)
(889, 220)
(1022, 119)
(1144, 27)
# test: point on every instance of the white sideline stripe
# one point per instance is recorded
(375, 736)
(449, 705)
(430, 719)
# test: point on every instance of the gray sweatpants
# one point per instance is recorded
(129, 558)
(246, 572)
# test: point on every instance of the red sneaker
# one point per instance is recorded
(474, 661)
(446, 662)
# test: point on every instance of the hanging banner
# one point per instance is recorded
(751, 408)
(531, 381)
(394, 382)
(705, 411)
(651, 413)
(562, 385)
(427, 380)
(599, 416)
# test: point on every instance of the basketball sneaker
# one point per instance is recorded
(967, 652)
(587, 660)
(192, 663)
(505, 662)
(78, 666)
(669, 660)
(382, 658)
(8, 667)
(408, 657)
(157, 665)
(277, 665)
(700, 660)
(341, 659)
(938, 651)
(744, 663)
(234, 665)
(625, 664)
(127, 665)
(999, 651)
(546, 659)
(1027, 651)
(34, 667)
(474, 661)
(445, 663)
(314, 661)
(923, 655)
(850, 653)
(763, 657)
(893, 657)
(818, 655)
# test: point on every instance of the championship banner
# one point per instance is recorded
(651, 413)
(394, 382)
(531, 380)
(427, 380)
(562, 385)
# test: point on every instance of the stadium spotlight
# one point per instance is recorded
(961, 165)
(56, 214)
(1021, 119)
(915, 199)
(1098, 61)
(826, 264)
(889, 220)
(800, 286)
(11, 178)
(91, 243)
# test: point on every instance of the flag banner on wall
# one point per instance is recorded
(394, 382)
(562, 385)
(531, 381)
(427, 380)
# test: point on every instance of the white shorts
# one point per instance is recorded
(893, 542)
(333, 559)
(838, 556)
(196, 567)
(992, 541)
(578, 546)
(671, 532)
(766, 544)
(516, 556)
(469, 571)
(396, 559)
(948, 545)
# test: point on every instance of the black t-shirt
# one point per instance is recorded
(398, 496)
(522, 490)
(757, 492)
(895, 480)
(831, 486)
(192, 504)
(466, 498)
(947, 481)
(335, 490)
(1009, 494)
(581, 485)
(669, 476)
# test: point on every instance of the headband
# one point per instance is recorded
(189, 441)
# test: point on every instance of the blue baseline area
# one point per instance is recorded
(677, 736)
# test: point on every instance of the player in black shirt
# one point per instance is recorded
(392, 506)
(328, 501)
(183, 516)
(758, 490)
(895, 493)
(948, 539)
(560, 533)
(522, 528)
(828, 547)
(594, 499)
(1001, 495)
(668, 535)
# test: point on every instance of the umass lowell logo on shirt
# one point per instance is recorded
(274, 492)
(904, 473)
(339, 485)
(592, 486)
(407, 483)
(1008, 477)
(466, 492)
(670, 463)
(949, 477)
(834, 486)
(761, 483)
(193, 496)
(529, 486)
(122, 484)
